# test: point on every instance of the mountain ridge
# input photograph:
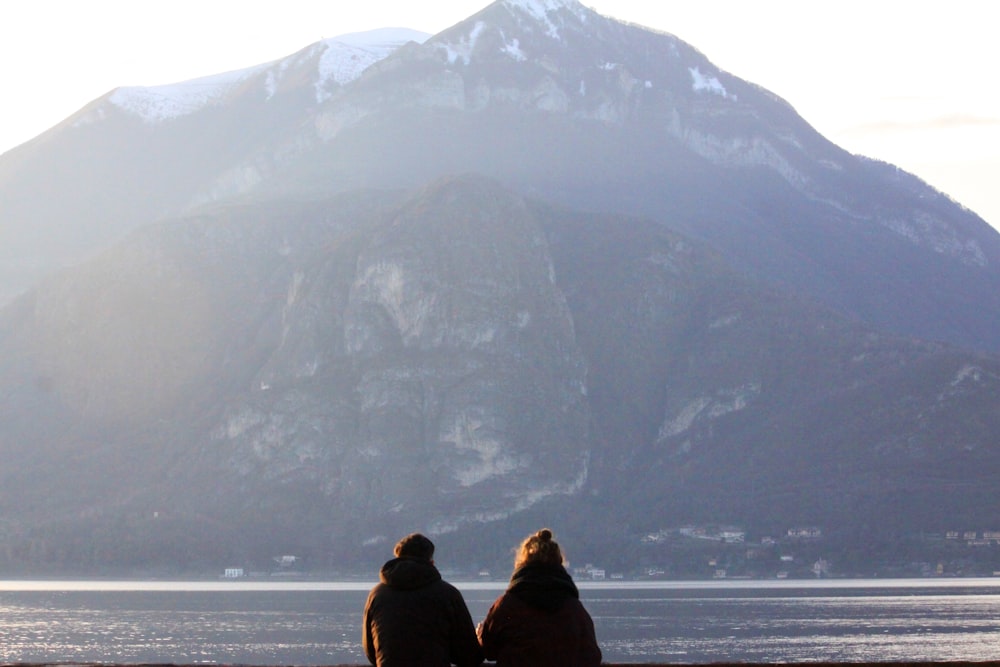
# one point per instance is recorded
(543, 265)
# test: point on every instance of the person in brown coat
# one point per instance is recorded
(413, 618)
(539, 620)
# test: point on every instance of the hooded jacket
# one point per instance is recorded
(539, 621)
(413, 618)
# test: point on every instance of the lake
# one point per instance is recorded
(314, 623)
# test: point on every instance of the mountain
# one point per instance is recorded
(139, 154)
(296, 375)
(540, 267)
(549, 99)
(607, 117)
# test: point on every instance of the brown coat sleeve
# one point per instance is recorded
(367, 638)
(489, 630)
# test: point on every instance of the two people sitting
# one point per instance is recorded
(415, 618)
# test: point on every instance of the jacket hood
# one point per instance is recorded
(541, 586)
(408, 573)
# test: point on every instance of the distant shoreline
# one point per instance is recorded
(346, 585)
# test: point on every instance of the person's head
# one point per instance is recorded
(539, 548)
(415, 546)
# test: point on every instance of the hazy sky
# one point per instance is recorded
(911, 82)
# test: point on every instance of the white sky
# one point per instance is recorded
(911, 82)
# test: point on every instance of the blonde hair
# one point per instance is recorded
(539, 548)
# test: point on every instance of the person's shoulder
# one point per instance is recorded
(508, 601)
(378, 589)
(444, 590)
(447, 586)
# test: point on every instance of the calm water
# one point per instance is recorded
(288, 623)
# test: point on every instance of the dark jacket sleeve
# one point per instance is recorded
(464, 650)
(590, 650)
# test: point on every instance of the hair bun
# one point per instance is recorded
(539, 547)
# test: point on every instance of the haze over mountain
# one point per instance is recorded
(542, 266)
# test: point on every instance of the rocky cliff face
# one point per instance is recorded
(295, 376)
(443, 342)
(413, 364)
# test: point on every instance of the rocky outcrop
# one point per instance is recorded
(456, 359)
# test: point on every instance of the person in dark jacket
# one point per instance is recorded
(539, 620)
(413, 618)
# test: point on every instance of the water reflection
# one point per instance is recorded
(309, 623)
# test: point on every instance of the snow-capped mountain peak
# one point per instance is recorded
(158, 103)
(381, 38)
(518, 29)
(344, 58)
(337, 61)
(542, 10)
(550, 13)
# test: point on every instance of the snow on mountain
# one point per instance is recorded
(709, 84)
(530, 15)
(541, 9)
(466, 45)
(344, 58)
(388, 39)
(521, 30)
(340, 60)
(158, 103)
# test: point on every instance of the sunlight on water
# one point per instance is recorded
(316, 623)
(769, 624)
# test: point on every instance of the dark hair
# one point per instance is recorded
(539, 548)
(414, 546)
